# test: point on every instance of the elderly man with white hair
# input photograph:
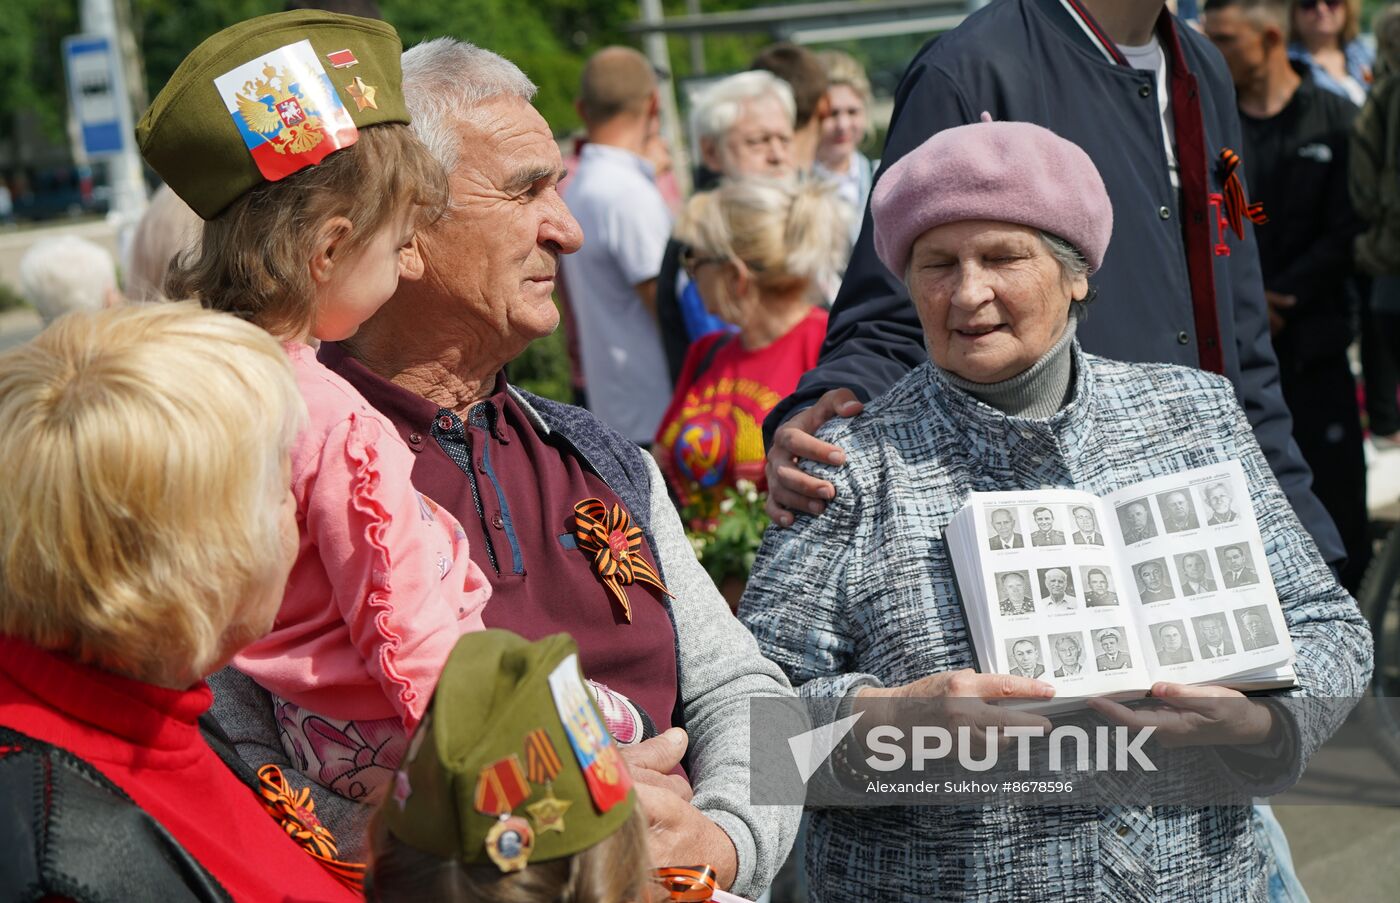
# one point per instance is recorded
(64, 273)
(744, 126)
(546, 493)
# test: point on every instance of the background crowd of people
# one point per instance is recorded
(826, 335)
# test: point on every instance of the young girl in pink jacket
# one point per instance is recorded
(383, 585)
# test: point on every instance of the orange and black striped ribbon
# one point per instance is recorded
(616, 546)
(1237, 209)
(541, 760)
(294, 810)
(688, 883)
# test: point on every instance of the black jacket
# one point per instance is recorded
(1028, 60)
(67, 831)
(1296, 163)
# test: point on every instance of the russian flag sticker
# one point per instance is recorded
(604, 773)
(287, 110)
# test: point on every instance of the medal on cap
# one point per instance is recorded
(342, 59)
(286, 110)
(542, 763)
(593, 746)
(501, 787)
(362, 94)
(510, 842)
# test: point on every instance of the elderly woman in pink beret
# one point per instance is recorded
(995, 228)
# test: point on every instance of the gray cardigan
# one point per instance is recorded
(718, 663)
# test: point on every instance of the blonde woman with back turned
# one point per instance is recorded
(759, 250)
(146, 532)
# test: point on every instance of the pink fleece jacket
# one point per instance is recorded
(382, 586)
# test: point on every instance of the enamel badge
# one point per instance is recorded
(509, 843)
(286, 110)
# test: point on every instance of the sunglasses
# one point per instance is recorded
(1310, 5)
(691, 263)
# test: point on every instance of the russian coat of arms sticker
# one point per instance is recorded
(287, 110)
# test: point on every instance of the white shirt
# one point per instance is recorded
(1150, 58)
(625, 225)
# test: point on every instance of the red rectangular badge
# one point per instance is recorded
(342, 59)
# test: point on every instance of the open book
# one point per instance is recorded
(1162, 580)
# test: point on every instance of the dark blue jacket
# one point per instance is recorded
(1029, 60)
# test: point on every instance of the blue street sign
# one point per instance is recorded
(93, 93)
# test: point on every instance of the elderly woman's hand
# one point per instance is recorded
(958, 699)
(1197, 716)
(789, 488)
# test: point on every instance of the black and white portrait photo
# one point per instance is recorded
(1045, 533)
(1113, 655)
(1256, 631)
(1005, 532)
(1014, 592)
(1193, 573)
(1153, 582)
(1025, 657)
(1135, 520)
(1178, 514)
(1169, 638)
(1213, 635)
(1220, 503)
(1067, 654)
(1086, 532)
(1236, 566)
(1098, 587)
(1057, 590)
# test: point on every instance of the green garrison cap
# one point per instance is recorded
(512, 763)
(268, 97)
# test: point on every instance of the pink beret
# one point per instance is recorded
(1010, 172)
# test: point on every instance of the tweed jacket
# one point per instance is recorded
(865, 595)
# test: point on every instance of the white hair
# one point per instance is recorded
(444, 80)
(65, 273)
(717, 108)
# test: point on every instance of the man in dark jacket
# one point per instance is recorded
(1295, 157)
(1180, 284)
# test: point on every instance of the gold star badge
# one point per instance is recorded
(362, 93)
(548, 813)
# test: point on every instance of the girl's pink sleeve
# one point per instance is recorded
(395, 562)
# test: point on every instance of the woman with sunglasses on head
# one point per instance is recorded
(1325, 38)
(759, 250)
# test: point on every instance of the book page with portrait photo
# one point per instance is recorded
(1041, 580)
(1165, 579)
(1200, 559)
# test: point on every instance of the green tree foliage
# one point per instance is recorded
(167, 30)
(31, 63)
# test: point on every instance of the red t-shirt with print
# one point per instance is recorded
(712, 433)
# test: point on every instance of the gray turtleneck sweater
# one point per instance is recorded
(1037, 392)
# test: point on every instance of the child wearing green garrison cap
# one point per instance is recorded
(512, 789)
(289, 136)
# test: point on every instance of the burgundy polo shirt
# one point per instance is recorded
(514, 493)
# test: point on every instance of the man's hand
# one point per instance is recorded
(789, 489)
(679, 833)
(1278, 303)
(1196, 716)
(653, 762)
